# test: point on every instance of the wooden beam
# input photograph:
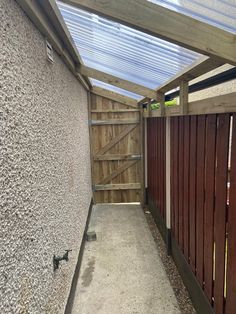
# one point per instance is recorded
(113, 80)
(36, 12)
(164, 23)
(131, 102)
(116, 139)
(52, 11)
(161, 100)
(114, 121)
(109, 187)
(218, 104)
(198, 68)
(118, 171)
(114, 110)
(117, 157)
(183, 97)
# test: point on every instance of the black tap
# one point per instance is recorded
(58, 259)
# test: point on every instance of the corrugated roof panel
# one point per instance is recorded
(220, 13)
(122, 51)
(115, 89)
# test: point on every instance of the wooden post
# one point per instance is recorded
(142, 149)
(91, 144)
(168, 212)
(161, 100)
(183, 97)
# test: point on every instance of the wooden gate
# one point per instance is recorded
(116, 150)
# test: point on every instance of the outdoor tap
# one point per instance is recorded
(58, 259)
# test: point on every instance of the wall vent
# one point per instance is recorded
(49, 51)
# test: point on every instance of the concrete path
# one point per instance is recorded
(122, 272)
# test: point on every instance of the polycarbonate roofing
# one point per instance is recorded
(115, 89)
(122, 51)
(220, 13)
(133, 55)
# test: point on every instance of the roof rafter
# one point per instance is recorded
(113, 80)
(47, 18)
(131, 102)
(166, 24)
(200, 67)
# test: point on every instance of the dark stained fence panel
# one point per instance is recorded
(181, 183)
(199, 182)
(210, 155)
(192, 192)
(201, 121)
(186, 186)
(156, 160)
(222, 143)
(175, 188)
(231, 260)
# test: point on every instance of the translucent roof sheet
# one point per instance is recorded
(220, 13)
(122, 51)
(115, 89)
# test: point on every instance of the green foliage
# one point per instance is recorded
(169, 103)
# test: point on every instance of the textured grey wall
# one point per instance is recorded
(45, 187)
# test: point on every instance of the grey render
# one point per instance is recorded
(45, 187)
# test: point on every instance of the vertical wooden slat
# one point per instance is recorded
(176, 173)
(192, 192)
(181, 183)
(152, 149)
(159, 165)
(200, 196)
(156, 162)
(149, 155)
(209, 204)
(230, 305)
(164, 167)
(220, 209)
(161, 161)
(186, 187)
(172, 147)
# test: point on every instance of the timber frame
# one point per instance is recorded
(157, 21)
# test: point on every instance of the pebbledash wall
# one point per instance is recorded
(45, 188)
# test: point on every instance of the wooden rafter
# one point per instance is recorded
(113, 80)
(46, 17)
(198, 68)
(131, 102)
(161, 22)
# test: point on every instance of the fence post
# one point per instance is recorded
(168, 213)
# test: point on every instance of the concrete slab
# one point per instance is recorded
(122, 272)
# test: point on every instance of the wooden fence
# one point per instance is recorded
(203, 197)
(156, 152)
